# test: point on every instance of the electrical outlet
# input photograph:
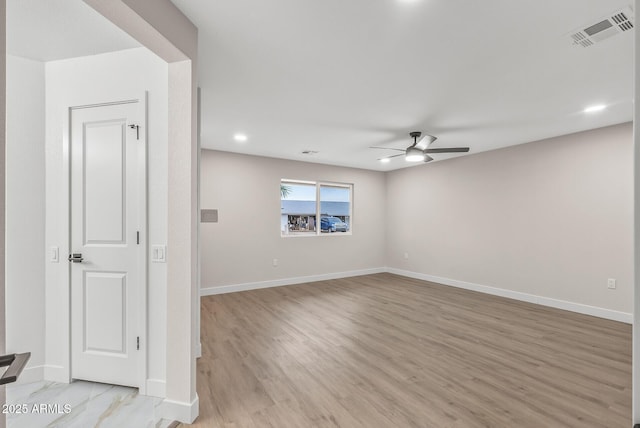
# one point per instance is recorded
(406, 256)
(275, 262)
(611, 283)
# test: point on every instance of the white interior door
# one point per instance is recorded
(107, 261)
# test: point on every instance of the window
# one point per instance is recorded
(311, 208)
(298, 208)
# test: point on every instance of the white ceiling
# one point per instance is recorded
(47, 30)
(339, 76)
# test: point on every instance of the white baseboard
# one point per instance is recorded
(30, 375)
(156, 388)
(209, 291)
(56, 374)
(179, 411)
(525, 297)
(516, 295)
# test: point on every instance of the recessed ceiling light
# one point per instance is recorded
(385, 160)
(595, 108)
(240, 138)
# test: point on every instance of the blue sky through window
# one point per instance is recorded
(305, 192)
(300, 192)
(337, 194)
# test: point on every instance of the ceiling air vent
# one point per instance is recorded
(607, 27)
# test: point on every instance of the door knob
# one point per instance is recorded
(76, 258)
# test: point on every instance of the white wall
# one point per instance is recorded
(95, 79)
(25, 256)
(635, 387)
(3, 111)
(240, 248)
(552, 218)
(161, 27)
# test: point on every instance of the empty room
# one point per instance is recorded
(344, 285)
(400, 213)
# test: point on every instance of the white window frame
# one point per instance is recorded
(318, 214)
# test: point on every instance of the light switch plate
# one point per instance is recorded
(54, 255)
(159, 253)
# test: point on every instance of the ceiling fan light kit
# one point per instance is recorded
(414, 154)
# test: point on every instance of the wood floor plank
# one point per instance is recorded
(383, 350)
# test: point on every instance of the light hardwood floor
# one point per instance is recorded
(388, 351)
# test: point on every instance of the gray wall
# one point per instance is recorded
(552, 218)
(240, 248)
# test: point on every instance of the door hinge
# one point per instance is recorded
(138, 343)
(137, 128)
(138, 238)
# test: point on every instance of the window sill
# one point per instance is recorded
(315, 235)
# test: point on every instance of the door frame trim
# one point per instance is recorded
(143, 111)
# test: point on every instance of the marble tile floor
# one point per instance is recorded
(81, 404)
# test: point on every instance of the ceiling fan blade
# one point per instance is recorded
(386, 148)
(425, 141)
(394, 156)
(427, 158)
(448, 150)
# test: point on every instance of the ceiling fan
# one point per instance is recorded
(419, 150)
